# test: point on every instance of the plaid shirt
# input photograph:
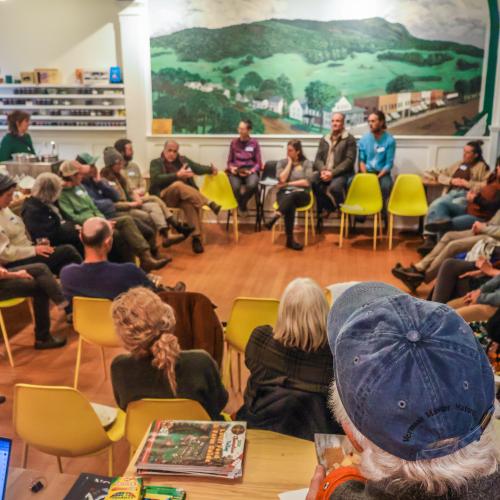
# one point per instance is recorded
(271, 363)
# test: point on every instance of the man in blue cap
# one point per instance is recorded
(415, 394)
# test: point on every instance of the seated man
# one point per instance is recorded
(470, 173)
(16, 249)
(243, 165)
(131, 170)
(414, 391)
(78, 206)
(172, 179)
(376, 154)
(96, 276)
(334, 165)
(451, 244)
(157, 211)
(35, 281)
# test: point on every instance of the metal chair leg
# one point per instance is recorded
(6, 340)
(341, 229)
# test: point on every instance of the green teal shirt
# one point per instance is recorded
(77, 205)
(12, 144)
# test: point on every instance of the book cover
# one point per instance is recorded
(89, 487)
(194, 447)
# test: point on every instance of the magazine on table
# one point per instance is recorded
(198, 448)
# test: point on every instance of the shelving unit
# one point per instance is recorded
(66, 107)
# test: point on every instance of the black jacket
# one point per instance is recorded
(42, 221)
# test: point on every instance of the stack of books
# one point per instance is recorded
(193, 448)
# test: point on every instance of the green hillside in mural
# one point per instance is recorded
(207, 79)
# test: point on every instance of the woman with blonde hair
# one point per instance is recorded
(156, 367)
(291, 366)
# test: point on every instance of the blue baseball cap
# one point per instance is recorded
(409, 372)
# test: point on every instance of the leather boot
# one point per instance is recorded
(149, 263)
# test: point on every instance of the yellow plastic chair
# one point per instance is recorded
(93, 323)
(5, 304)
(246, 315)
(308, 212)
(407, 199)
(61, 422)
(141, 413)
(218, 189)
(328, 296)
(363, 198)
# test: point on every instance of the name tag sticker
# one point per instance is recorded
(463, 167)
(380, 149)
(81, 193)
(249, 149)
(131, 173)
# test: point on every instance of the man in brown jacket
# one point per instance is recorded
(334, 165)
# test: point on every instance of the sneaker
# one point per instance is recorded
(168, 241)
(439, 226)
(50, 343)
(197, 245)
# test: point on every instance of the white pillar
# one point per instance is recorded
(134, 36)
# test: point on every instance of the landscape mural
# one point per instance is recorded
(216, 62)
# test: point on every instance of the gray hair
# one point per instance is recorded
(436, 476)
(170, 141)
(47, 187)
(302, 316)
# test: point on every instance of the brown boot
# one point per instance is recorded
(149, 263)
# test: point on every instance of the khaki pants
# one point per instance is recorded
(472, 312)
(157, 210)
(130, 235)
(452, 243)
(189, 200)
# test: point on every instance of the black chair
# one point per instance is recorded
(269, 171)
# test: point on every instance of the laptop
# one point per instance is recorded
(5, 449)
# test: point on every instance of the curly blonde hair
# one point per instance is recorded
(145, 325)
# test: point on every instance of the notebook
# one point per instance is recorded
(5, 448)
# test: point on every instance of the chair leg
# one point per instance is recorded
(59, 465)
(235, 225)
(380, 225)
(78, 361)
(6, 340)
(341, 229)
(375, 220)
(391, 222)
(347, 222)
(313, 226)
(24, 458)
(238, 354)
(103, 357)
(110, 460)
(306, 240)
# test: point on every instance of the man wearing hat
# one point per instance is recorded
(78, 206)
(415, 394)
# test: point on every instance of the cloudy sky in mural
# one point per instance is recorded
(456, 20)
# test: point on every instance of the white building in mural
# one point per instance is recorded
(296, 110)
(260, 104)
(403, 104)
(353, 114)
(207, 87)
(276, 104)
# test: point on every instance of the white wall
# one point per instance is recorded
(64, 34)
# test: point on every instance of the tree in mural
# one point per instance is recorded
(252, 80)
(319, 95)
(285, 88)
(399, 84)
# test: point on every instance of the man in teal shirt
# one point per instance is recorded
(376, 154)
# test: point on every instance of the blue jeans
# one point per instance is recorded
(438, 209)
(454, 209)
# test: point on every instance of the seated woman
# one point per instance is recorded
(16, 249)
(42, 216)
(156, 367)
(291, 367)
(451, 215)
(36, 281)
(472, 288)
(295, 176)
(17, 139)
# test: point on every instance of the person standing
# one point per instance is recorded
(294, 189)
(172, 179)
(376, 154)
(17, 140)
(334, 166)
(243, 165)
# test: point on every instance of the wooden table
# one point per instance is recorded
(273, 463)
(20, 480)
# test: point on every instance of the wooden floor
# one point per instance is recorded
(253, 267)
